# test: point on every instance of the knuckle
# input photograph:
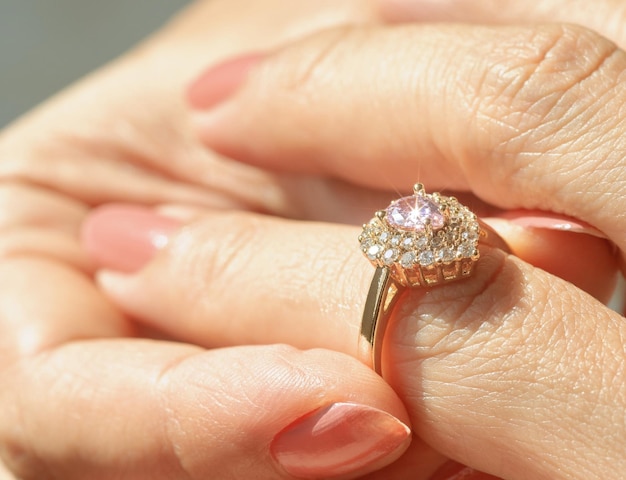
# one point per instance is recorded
(213, 252)
(230, 230)
(14, 202)
(535, 89)
(24, 163)
(523, 76)
(243, 399)
(11, 196)
(313, 58)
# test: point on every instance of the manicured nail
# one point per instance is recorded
(424, 10)
(339, 439)
(457, 471)
(124, 238)
(221, 81)
(550, 221)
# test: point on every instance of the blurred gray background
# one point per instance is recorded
(47, 44)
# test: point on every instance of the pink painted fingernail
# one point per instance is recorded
(550, 221)
(457, 471)
(124, 238)
(339, 439)
(221, 81)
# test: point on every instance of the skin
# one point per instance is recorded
(67, 168)
(483, 349)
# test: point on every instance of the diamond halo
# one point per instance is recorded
(423, 239)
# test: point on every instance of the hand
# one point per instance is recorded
(527, 128)
(83, 392)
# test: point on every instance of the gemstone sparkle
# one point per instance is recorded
(413, 213)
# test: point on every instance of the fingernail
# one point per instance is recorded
(457, 471)
(124, 238)
(426, 10)
(549, 221)
(339, 439)
(221, 81)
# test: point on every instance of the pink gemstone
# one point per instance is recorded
(411, 213)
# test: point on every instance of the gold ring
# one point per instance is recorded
(423, 240)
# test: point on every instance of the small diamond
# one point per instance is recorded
(373, 251)
(407, 243)
(451, 237)
(467, 250)
(396, 239)
(436, 241)
(426, 258)
(422, 242)
(390, 256)
(445, 255)
(372, 228)
(407, 260)
(470, 236)
(383, 236)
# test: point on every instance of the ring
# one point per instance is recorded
(423, 240)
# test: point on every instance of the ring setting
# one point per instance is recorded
(422, 240)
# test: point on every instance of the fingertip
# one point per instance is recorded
(120, 288)
(456, 471)
(340, 419)
(579, 256)
(213, 98)
(340, 439)
(397, 11)
(213, 127)
(113, 282)
(125, 238)
(221, 81)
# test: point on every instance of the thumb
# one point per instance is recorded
(162, 410)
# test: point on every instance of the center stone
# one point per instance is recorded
(411, 213)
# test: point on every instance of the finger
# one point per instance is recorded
(513, 350)
(43, 243)
(59, 384)
(140, 409)
(606, 16)
(77, 168)
(559, 252)
(44, 303)
(217, 258)
(527, 127)
(125, 239)
(39, 222)
(21, 205)
(138, 117)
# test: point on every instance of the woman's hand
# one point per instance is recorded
(86, 392)
(510, 365)
(513, 371)
(64, 362)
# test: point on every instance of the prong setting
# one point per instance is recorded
(418, 189)
(437, 243)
